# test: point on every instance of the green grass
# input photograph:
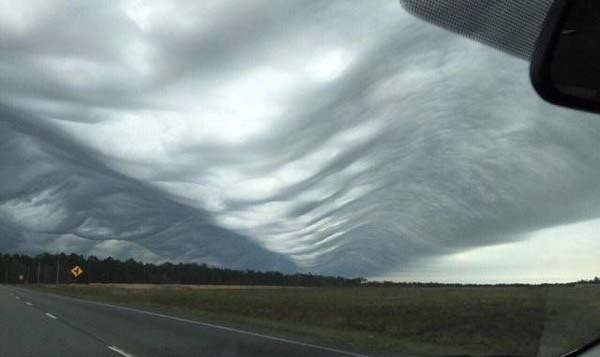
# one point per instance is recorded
(480, 321)
(572, 319)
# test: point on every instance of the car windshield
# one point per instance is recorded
(285, 178)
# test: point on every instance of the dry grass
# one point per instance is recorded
(178, 286)
(572, 319)
(480, 321)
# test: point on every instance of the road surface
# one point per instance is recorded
(34, 323)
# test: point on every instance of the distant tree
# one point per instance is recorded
(110, 270)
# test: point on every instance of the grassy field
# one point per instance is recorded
(436, 321)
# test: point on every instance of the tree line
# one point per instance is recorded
(595, 281)
(55, 268)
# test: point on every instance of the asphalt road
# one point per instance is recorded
(34, 323)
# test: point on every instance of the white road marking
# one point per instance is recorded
(51, 316)
(206, 324)
(18, 298)
(28, 303)
(120, 351)
(571, 353)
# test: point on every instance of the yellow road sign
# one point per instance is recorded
(76, 271)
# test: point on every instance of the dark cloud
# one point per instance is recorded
(55, 196)
(332, 137)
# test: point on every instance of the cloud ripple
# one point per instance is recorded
(331, 137)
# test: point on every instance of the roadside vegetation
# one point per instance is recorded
(386, 320)
(52, 268)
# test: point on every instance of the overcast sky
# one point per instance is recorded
(338, 137)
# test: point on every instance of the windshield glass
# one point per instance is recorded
(321, 162)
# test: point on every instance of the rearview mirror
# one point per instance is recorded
(565, 67)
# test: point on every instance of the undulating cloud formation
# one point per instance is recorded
(335, 137)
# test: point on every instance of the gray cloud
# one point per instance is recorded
(333, 137)
(56, 196)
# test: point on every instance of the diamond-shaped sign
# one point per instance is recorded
(76, 271)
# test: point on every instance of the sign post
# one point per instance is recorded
(57, 269)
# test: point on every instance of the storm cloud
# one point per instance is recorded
(334, 137)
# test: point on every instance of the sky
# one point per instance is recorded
(333, 137)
